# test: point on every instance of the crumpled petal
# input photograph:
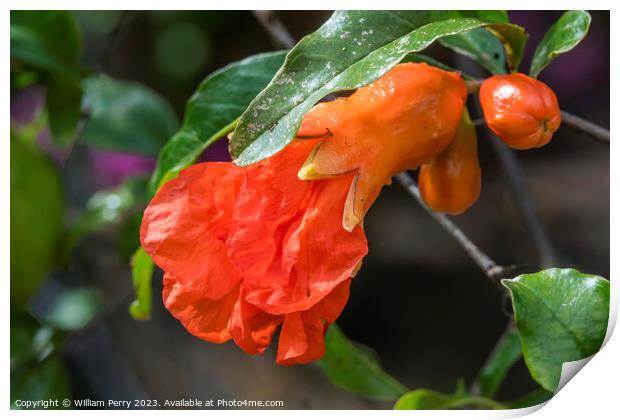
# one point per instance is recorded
(206, 319)
(268, 200)
(246, 250)
(324, 254)
(302, 336)
(182, 226)
(252, 328)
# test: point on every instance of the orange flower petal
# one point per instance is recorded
(247, 249)
(182, 225)
(302, 337)
(321, 252)
(267, 203)
(252, 328)
(204, 318)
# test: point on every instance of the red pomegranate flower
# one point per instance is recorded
(247, 249)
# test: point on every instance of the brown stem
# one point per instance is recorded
(595, 131)
(493, 270)
(280, 35)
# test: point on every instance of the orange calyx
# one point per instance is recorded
(402, 120)
(450, 183)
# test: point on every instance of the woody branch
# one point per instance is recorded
(493, 270)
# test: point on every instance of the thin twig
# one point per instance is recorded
(546, 253)
(275, 28)
(514, 174)
(597, 132)
(473, 85)
(493, 270)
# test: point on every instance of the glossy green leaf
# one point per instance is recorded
(480, 45)
(562, 316)
(421, 58)
(352, 49)
(506, 353)
(141, 274)
(563, 36)
(213, 110)
(36, 218)
(73, 309)
(425, 399)
(352, 369)
(126, 116)
(46, 39)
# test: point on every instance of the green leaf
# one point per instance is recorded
(421, 58)
(538, 396)
(563, 36)
(126, 116)
(44, 381)
(504, 356)
(562, 316)
(352, 49)
(22, 330)
(213, 110)
(48, 40)
(496, 15)
(64, 96)
(425, 399)
(480, 45)
(36, 218)
(73, 309)
(352, 369)
(141, 274)
(30, 342)
(108, 207)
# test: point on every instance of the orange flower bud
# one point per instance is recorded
(522, 111)
(451, 182)
(402, 120)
